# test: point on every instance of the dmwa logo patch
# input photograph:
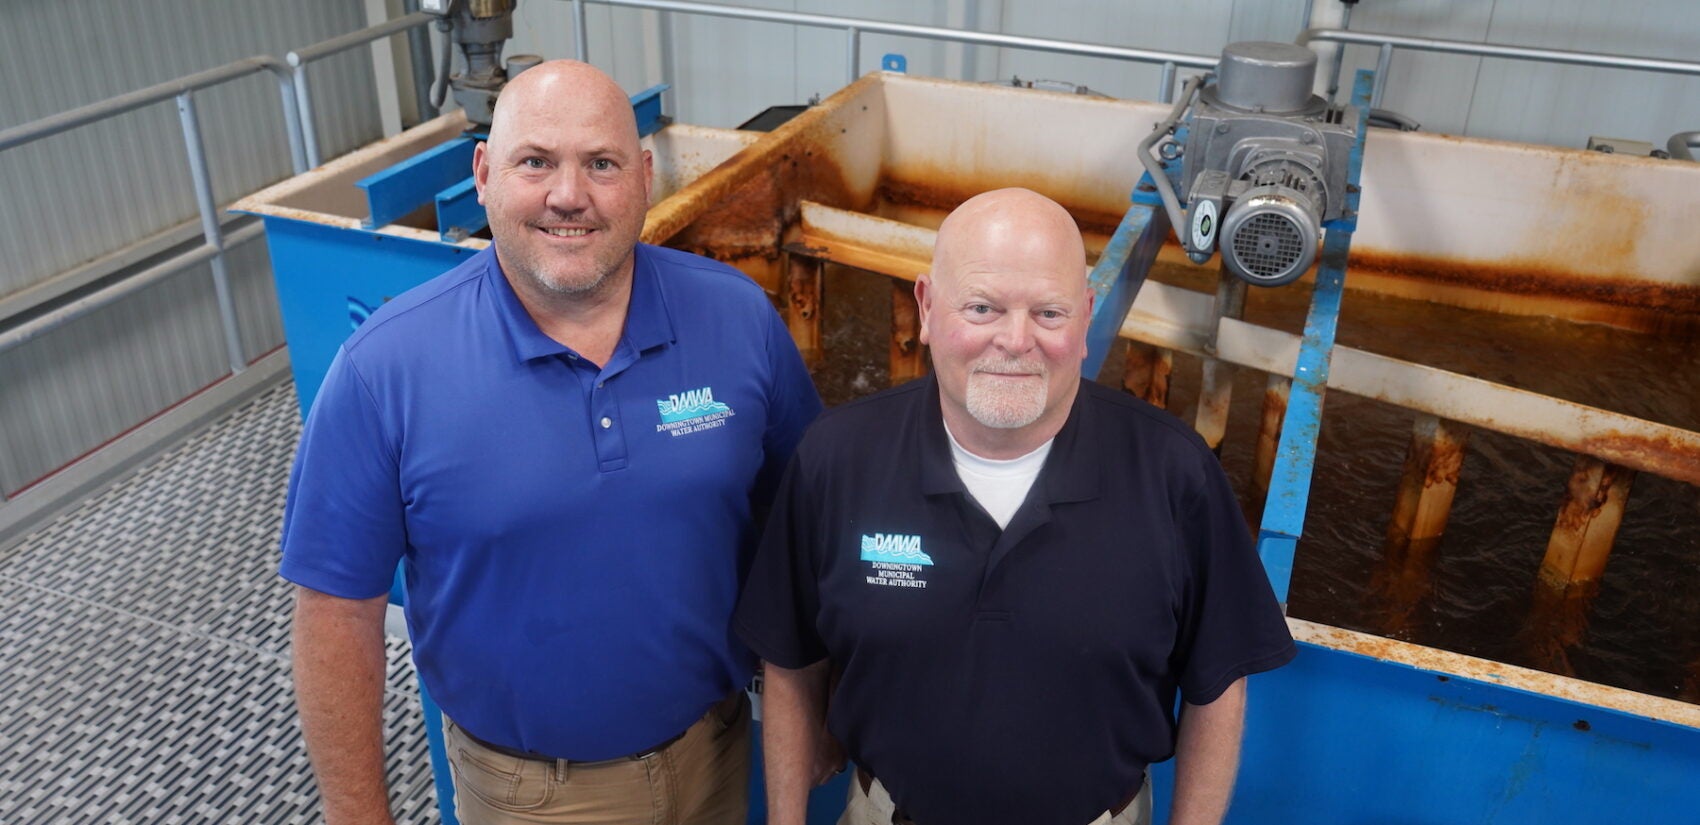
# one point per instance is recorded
(691, 411)
(895, 560)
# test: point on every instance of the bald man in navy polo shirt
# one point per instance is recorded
(567, 438)
(1011, 571)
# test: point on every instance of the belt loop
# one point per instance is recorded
(559, 771)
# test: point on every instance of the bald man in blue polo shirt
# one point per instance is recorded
(1011, 571)
(567, 439)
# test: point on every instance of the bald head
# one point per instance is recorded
(1009, 226)
(562, 91)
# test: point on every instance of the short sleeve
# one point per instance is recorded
(343, 527)
(777, 613)
(1231, 624)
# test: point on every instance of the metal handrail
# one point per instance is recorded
(299, 58)
(130, 101)
(1388, 42)
(854, 28)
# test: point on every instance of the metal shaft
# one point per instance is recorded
(211, 229)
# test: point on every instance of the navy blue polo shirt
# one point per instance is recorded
(575, 534)
(1025, 675)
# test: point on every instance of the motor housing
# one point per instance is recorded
(1263, 163)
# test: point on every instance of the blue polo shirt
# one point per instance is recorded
(1026, 675)
(575, 534)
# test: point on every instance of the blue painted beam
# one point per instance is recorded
(1295, 455)
(646, 105)
(408, 185)
(459, 214)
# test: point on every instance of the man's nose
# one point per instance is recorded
(1015, 333)
(568, 190)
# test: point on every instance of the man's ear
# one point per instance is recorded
(924, 301)
(480, 168)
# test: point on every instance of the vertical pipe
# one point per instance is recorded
(1275, 395)
(1166, 83)
(908, 357)
(581, 40)
(669, 102)
(211, 229)
(1146, 373)
(1586, 526)
(292, 124)
(419, 56)
(855, 57)
(1382, 64)
(802, 289)
(1339, 55)
(1427, 487)
(1218, 389)
(304, 107)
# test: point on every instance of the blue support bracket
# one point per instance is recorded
(406, 186)
(1295, 456)
(1124, 263)
(1117, 277)
(459, 214)
(646, 105)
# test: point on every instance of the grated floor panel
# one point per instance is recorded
(144, 649)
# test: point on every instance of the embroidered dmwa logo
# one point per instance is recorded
(683, 413)
(894, 548)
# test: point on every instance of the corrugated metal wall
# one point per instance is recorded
(74, 197)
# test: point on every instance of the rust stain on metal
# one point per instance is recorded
(1275, 398)
(908, 357)
(801, 293)
(947, 189)
(1446, 664)
(1661, 455)
(1587, 524)
(1621, 299)
(756, 191)
(1146, 373)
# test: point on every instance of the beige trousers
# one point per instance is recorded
(876, 807)
(702, 779)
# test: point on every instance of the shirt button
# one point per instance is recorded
(599, 384)
(572, 357)
(607, 422)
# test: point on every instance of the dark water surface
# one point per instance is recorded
(1641, 631)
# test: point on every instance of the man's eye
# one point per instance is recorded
(979, 309)
(1050, 314)
(533, 163)
(602, 164)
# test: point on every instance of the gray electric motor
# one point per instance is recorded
(1264, 163)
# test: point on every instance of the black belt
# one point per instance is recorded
(899, 817)
(723, 709)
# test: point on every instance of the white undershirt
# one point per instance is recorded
(998, 485)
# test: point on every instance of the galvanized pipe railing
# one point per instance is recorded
(856, 27)
(1388, 42)
(83, 115)
(299, 58)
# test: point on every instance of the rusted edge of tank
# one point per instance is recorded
(867, 242)
(1620, 300)
(1447, 663)
(668, 217)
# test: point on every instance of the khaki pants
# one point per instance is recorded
(702, 779)
(876, 808)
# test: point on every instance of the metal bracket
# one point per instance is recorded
(1295, 456)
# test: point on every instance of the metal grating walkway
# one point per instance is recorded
(144, 649)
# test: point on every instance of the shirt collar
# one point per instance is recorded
(649, 323)
(1069, 474)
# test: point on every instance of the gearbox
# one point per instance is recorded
(1263, 162)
